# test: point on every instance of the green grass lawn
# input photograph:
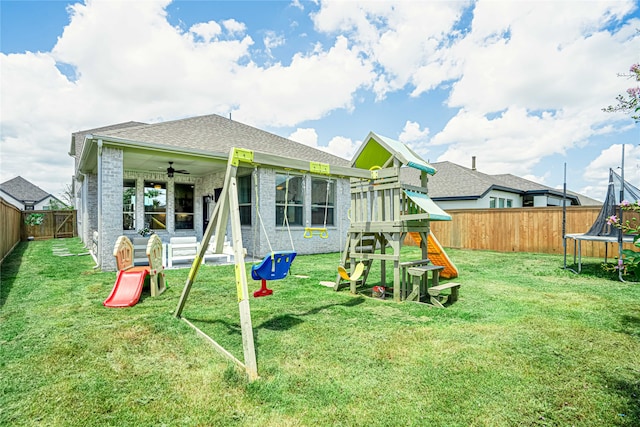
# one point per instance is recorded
(527, 344)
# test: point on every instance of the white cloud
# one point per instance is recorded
(343, 147)
(149, 70)
(542, 179)
(597, 173)
(403, 38)
(413, 133)
(338, 146)
(513, 142)
(309, 88)
(529, 78)
(297, 4)
(415, 137)
(207, 30)
(306, 136)
(272, 40)
(234, 27)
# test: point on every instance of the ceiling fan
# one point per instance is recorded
(171, 171)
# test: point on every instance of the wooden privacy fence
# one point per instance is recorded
(520, 230)
(55, 225)
(10, 220)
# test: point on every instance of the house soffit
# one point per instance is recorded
(144, 157)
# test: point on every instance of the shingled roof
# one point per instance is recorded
(23, 191)
(216, 134)
(77, 138)
(455, 182)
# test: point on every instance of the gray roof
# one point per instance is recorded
(455, 182)
(22, 190)
(77, 138)
(217, 134)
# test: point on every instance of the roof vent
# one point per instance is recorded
(473, 163)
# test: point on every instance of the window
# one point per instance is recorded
(244, 199)
(500, 202)
(289, 193)
(183, 203)
(323, 196)
(129, 204)
(155, 205)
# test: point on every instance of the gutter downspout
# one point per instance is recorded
(100, 239)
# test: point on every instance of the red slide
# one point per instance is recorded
(127, 289)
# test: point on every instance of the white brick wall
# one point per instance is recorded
(112, 177)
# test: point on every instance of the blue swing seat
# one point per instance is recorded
(274, 266)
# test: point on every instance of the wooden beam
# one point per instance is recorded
(273, 161)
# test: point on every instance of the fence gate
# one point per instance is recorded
(52, 225)
(65, 224)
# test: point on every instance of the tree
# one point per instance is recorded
(67, 196)
(628, 103)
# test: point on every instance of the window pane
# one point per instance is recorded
(295, 193)
(294, 215)
(244, 189)
(184, 206)
(129, 204)
(323, 200)
(318, 213)
(155, 205)
(245, 215)
(155, 221)
(289, 192)
(492, 202)
(245, 192)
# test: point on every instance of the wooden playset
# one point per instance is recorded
(382, 211)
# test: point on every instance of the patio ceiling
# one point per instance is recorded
(146, 161)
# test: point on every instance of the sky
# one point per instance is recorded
(520, 85)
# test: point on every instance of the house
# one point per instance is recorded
(27, 196)
(166, 177)
(459, 187)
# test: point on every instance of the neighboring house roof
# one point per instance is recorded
(455, 182)
(24, 191)
(215, 135)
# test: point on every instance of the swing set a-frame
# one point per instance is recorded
(227, 210)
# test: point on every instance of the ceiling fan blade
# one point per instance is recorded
(171, 170)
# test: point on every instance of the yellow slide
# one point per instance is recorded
(438, 256)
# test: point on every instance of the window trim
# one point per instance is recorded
(297, 206)
(132, 204)
(328, 205)
(175, 205)
(241, 181)
(151, 185)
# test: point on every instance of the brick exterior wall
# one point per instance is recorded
(111, 200)
(279, 235)
(253, 238)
